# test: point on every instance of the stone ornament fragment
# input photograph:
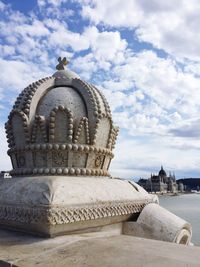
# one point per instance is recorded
(155, 222)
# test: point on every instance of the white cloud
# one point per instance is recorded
(57, 3)
(152, 95)
(65, 38)
(36, 29)
(2, 6)
(114, 13)
(172, 26)
(23, 37)
(120, 85)
(189, 128)
(15, 75)
(86, 65)
(41, 3)
(154, 99)
(1, 96)
(102, 55)
(141, 157)
(100, 43)
(6, 50)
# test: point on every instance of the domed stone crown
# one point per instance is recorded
(61, 125)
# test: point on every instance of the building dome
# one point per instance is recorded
(162, 172)
(61, 125)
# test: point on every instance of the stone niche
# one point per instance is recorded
(61, 138)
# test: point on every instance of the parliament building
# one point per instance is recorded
(159, 183)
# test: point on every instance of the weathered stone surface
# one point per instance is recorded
(95, 249)
(155, 222)
(54, 190)
(50, 205)
(61, 125)
(61, 138)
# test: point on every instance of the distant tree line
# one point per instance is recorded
(190, 183)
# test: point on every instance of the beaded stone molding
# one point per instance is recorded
(61, 125)
(63, 215)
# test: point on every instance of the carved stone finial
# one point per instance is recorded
(62, 62)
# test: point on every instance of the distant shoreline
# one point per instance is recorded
(172, 194)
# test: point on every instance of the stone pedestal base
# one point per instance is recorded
(51, 206)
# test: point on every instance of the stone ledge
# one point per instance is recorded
(94, 249)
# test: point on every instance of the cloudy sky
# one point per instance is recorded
(143, 54)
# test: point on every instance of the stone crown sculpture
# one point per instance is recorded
(61, 136)
(61, 125)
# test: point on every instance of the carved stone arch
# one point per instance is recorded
(39, 133)
(89, 97)
(41, 89)
(102, 132)
(82, 135)
(19, 132)
(112, 137)
(61, 125)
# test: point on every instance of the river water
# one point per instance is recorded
(187, 207)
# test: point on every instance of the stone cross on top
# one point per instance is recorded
(62, 62)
